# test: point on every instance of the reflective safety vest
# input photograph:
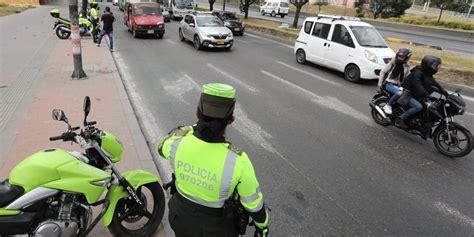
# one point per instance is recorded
(94, 14)
(208, 173)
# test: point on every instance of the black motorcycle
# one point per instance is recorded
(435, 121)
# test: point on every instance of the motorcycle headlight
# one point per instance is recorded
(370, 56)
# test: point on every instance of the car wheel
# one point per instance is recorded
(263, 13)
(273, 14)
(181, 37)
(282, 15)
(197, 43)
(300, 56)
(160, 36)
(352, 73)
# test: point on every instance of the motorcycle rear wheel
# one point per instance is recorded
(127, 217)
(380, 102)
(459, 136)
(62, 34)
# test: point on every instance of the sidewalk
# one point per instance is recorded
(55, 89)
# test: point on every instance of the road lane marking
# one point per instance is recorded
(178, 88)
(248, 87)
(467, 113)
(328, 101)
(309, 74)
(270, 40)
(446, 209)
(170, 41)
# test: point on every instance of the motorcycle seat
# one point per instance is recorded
(9, 192)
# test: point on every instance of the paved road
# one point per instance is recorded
(449, 45)
(325, 168)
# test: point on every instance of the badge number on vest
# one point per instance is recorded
(196, 175)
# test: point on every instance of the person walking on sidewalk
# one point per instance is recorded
(213, 179)
(108, 20)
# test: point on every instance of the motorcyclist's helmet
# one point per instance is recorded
(217, 100)
(403, 55)
(430, 64)
(54, 13)
(94, 5)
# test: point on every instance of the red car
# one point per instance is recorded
(144, 19)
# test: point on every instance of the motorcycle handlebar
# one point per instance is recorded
(67, 136)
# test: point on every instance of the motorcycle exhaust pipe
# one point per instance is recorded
(65, 28)
(379, 110)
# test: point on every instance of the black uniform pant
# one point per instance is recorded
(188, 219)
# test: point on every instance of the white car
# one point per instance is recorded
(344, 44)
(275, 7)
(205, 30)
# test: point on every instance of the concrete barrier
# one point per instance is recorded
(395, 40)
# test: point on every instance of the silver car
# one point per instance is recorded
(205, 30)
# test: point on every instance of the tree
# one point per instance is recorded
(359, 7)
(298, 4)
(321, 3)
(389, 8)
(443, 5)
(211, 4)
(245, 5)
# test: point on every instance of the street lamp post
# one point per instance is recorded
(78, 72)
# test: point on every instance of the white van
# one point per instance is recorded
(344, 44)
(275, 7)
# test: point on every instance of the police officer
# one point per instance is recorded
(209, 171)
(94, 13)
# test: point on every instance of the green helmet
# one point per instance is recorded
(217, 100)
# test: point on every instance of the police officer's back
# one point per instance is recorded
(209, 172)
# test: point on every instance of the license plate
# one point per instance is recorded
(237, 29)
(220, 42)
(151, 31)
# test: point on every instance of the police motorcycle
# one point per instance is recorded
(435, 121)
(62, 26)
(52, 192)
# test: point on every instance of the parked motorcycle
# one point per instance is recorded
(62, 26)
(435, 121)
(52, 192)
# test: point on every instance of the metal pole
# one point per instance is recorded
(78, 72)
(223, 6)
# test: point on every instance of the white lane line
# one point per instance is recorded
(248, 87)
(446, 209)
(309, 74)
(270, 40)
(328, 102)
(170, 41)
(178, 88)
(467, 113)
(196, 85)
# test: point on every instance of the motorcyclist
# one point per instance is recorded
(393, 74)
(94, 15)
(421, 84)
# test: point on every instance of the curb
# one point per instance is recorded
(396, 40)
(143, 141)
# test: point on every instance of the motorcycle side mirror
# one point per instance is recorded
(457, 91)
(87, 108)
(59, 115)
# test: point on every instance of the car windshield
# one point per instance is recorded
(142, 11)
(284, 4)
(229, 16)
(368, 36)
(208, 21)
(184, 3)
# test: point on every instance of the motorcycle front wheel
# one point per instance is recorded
(460, 144)
(62, 34)
(130, 220)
